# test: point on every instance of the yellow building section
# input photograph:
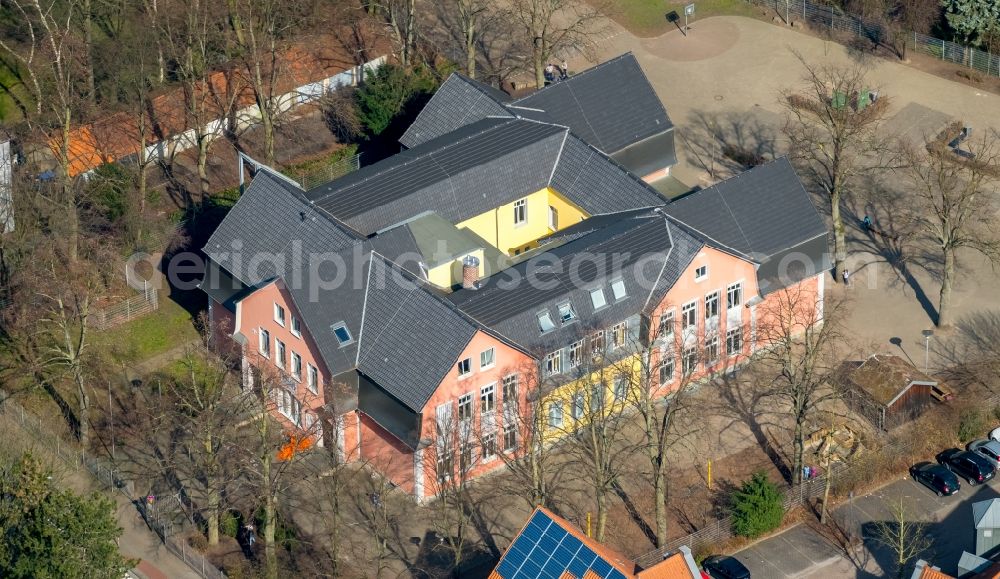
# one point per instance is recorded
(449, 273)
(516, 227)
(579, 401)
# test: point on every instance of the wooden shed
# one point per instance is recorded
(887, 390)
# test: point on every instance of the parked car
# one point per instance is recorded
(935, 477)
(988, 449)
(722, 567)
(967, 465)
(995, 434)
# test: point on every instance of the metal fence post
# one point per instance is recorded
(942, 49)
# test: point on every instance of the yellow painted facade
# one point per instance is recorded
(449, 273)
(497, 226)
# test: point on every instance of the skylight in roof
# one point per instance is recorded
(342, 333)
(618, 289)
(597, 298)
(566, 313)
(545, 323)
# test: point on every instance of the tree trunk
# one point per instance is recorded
(660, 496)
(826, 493)
(798, 452)
(470, 47)
(839, 237)
(944, 302)
(88, 46)
(72, 219)
(537, 60)
(84, 401)
(203, 144)
(410, 38)
(267, 121)
(602, 515)
(213, 495)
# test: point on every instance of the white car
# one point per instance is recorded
(988, 449)
(995, 434)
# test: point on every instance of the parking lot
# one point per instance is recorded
(801, 553)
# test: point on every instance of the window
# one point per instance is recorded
(279, 353)
(618, 289)
(296, 327)
(575, 354)
(620, 387)
(289, 405)
(509, 438)
(489, 446)
(734, 341)
(666, 368)
(510, 389)
(597, 397)
(690, 360)
(712, 305)
(444, 464)
(488, 399)
(712, 348)
(553, 218)
(597, 344)
(597, 298)
(465, 367)
(577, 410)
(566, 313)
(666, 328)
(343, 334)
(487, 358)
(555, 415)
(465, 457)
(264, 338)
(520, 211)
(734, 296)
(312, 375)
(701, 273)
(279, 315)
(465, 407)
(296, 366)
(553, 363)
(545, 322)
(618, 335)
(688, 313)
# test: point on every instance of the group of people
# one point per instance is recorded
(556, 72)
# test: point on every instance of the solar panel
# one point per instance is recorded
(546, 550)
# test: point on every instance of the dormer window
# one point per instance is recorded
(545, 323)
(566, 313)
(342, 333)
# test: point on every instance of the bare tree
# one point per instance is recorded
(953, 202)
(833, 132)
(798, 331)
(465, 21)
(905, 538)
(555, 26)
(67, 320)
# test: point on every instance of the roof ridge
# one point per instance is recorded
(663, 268)
(583, 72)
(586, 118)
(701, 233)
(417, 157)
(623, 169)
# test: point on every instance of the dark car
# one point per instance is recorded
(967, 465)
(935, 477)
(722, 567)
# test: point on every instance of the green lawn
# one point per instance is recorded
(166, 328)
(647, 18)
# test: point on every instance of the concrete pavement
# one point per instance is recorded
(801, 553)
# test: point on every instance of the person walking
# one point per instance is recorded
(868, 223)
(847, 277)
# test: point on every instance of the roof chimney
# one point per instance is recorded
(470, 272)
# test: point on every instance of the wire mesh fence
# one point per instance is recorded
(876, 31)
(110, 478)
(328, 173)
(126, 310)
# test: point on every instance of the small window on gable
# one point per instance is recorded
(342, 333)
(296, 327)
(566, 313)
(487, 358)
(545, 322)
(597, 298)
(701, 273)
(279, 314)
(465, 367)
(618, 289)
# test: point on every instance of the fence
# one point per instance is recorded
(795, 495)
(876, 31)
(138, 305)
(329, 172)
(108, 476)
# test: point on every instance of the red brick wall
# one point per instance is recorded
(386, 453)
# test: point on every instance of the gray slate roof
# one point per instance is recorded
(479, 167)
(764, 213)
(398, 349)
(510, 303)
(590, 104)
(459, 101)
(986, 514)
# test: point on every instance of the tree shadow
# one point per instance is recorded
(633, 512)
(742, 400)
(726, 144)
